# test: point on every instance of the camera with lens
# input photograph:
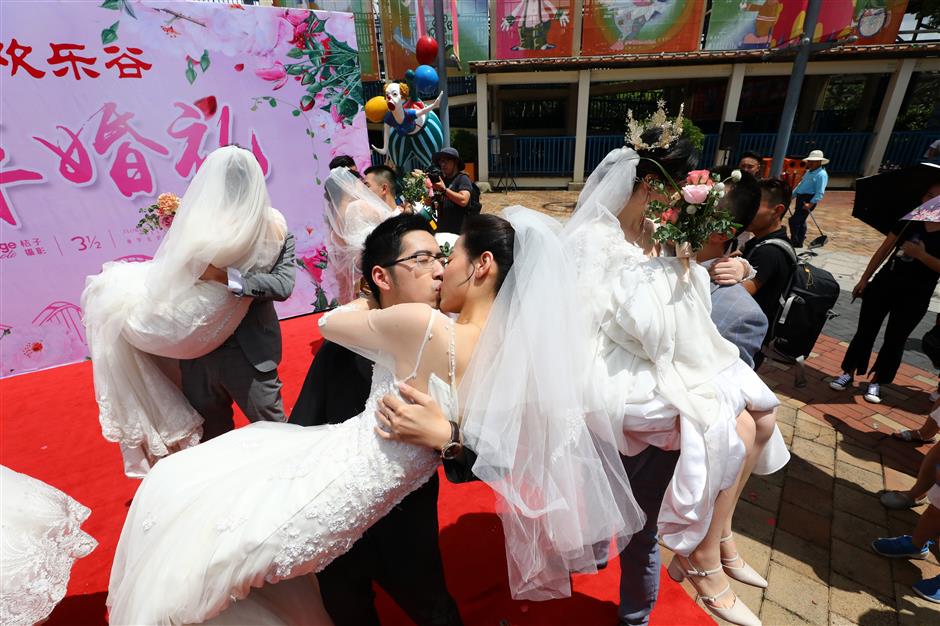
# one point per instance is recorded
(434, 174)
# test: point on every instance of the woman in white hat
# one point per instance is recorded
(808, 193)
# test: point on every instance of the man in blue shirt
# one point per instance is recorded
(808, 193)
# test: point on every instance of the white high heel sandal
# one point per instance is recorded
(737, 613)
(745, 573)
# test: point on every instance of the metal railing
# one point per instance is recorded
(534, 156)
(908, 148)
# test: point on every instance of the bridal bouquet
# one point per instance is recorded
(159, 215)
(692, 213)
(416, 191)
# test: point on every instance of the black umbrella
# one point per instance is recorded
(883, 199)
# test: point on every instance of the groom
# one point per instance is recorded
(400, 552)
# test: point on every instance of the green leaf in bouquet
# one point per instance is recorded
(204, 60)
(190, 73)
(295, 53)
(308, 78)
(272, 102)
(114, 5)
(128, 8)
(295, 69)
(306, 102)
(295, 112)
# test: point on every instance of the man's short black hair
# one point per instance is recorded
(342, 160)
(775, 191)
(384, 173)
(750, 154)
(743, 200)
(383, 245)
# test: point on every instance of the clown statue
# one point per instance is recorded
(534, 18)
(413, 133)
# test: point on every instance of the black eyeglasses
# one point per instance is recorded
(423, 260)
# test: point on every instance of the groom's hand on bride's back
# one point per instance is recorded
(417, 419)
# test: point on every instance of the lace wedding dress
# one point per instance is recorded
(41, 540)
(261, 504)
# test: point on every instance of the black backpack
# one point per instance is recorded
(805, 307)
(475, 205)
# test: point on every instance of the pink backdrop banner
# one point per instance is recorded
(107, 105)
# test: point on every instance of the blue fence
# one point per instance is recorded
(909, 147)
(535, 156)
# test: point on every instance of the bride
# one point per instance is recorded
(669, 378)
(271, 502)
(141, 317)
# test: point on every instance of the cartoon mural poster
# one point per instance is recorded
(641, 26)
(748, 24)
(533, 28)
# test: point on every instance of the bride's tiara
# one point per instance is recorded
(671, 129)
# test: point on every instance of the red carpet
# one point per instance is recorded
(50, 430)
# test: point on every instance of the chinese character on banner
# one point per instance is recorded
(18, 53)
(128, 66)
(130, 170)
(75, 164)
(13, 177)
(58, 58)
(194, 132)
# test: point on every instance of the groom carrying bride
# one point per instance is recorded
(401, 552)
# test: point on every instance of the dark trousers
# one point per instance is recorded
(649, 472)
(904, 303)
(798, 219)
(402, 554)
(212, 382)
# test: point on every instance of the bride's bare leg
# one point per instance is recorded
(707, 556)
(764, 422)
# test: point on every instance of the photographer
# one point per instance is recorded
(453, 191)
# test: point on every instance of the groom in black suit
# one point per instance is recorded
(400, 552)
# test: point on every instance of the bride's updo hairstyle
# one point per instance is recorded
(680, 158)
(490, 233)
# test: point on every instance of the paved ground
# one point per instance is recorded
(808, 528)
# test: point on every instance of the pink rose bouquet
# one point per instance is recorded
(691, 213)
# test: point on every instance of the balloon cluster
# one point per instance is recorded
(422, 81)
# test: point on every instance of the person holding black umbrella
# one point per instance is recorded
(900, 291)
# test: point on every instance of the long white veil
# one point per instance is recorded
(543, 441)
(352, 212)
(135, 313)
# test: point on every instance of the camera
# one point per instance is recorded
(434, 174)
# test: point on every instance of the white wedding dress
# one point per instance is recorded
(140, 318)
(41, 539)
(667, 376)
(261, 504)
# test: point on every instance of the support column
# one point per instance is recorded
(580, 134)
(887, 116)
(729, 112)
(483, 129)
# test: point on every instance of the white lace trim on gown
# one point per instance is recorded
(41, 540)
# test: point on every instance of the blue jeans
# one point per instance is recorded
(649, 472)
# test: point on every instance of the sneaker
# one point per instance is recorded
(873, 394)
(842, 382)
(929, 589)
(900, 548)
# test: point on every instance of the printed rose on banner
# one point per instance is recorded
(314, 261)
(159, 215)
(38, 347)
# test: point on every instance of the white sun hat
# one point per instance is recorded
(817, 155)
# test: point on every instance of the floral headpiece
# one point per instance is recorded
(671, 129)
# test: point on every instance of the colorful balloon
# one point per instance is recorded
(376, 108)
(426, 50)
(426, 80)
